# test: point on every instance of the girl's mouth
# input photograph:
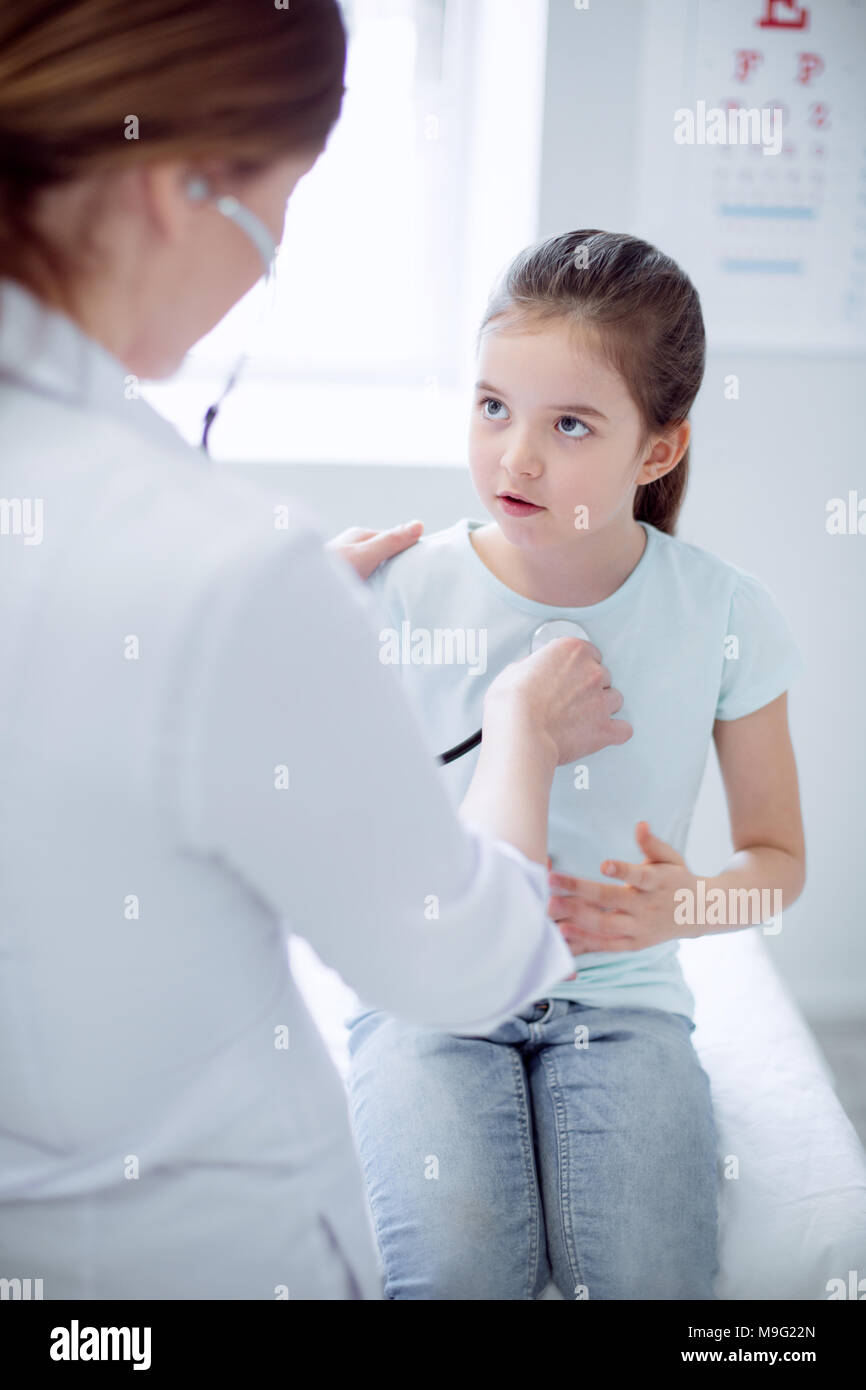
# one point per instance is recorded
(517, 506)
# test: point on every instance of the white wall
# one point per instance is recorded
(763, 468)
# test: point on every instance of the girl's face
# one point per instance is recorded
(552, 424)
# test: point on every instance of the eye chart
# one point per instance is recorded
(775, 242)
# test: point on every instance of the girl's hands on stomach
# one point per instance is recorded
(606, 917)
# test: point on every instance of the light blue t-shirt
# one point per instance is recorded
(688, 639)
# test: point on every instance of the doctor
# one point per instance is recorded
(200, 748)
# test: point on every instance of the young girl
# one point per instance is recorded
(577, 1137)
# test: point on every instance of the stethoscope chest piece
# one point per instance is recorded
(557, 627)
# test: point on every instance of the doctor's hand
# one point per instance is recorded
(366, 550)
(544, 710)
(606, 917)
(565, 695)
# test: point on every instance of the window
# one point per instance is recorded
(392, 241)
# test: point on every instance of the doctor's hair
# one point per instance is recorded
(642, 311)
(240, 83)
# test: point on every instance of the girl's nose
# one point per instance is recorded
(521, 459)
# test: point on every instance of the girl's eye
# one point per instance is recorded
(573, 428)
(499, 411)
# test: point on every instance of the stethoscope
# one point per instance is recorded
(199, 190)
(544, 633)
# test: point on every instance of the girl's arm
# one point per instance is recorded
(760, 776)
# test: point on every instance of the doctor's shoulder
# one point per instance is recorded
(172, 500)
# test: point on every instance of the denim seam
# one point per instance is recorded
(564, 1172)
(523, 1101)
(366, 1169)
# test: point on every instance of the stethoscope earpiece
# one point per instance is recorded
(198, 188)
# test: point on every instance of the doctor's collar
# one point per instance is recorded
(45, 351)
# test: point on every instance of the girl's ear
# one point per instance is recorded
(665, 454)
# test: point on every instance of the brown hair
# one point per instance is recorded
(245, 83)
(647, 317)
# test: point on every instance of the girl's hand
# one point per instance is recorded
(366, 550)
(605, 917)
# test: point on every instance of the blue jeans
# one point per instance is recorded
(572, 1142)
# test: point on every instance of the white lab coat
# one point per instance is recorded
(171, 1125)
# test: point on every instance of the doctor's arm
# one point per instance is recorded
(303, 768)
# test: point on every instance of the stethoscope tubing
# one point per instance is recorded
(460, 748)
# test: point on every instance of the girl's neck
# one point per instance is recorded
(570, 576)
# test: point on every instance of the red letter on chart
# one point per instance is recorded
(783, 14)
(746, 60)
(809, 65)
